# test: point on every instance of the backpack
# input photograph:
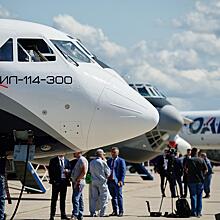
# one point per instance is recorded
(182, 208)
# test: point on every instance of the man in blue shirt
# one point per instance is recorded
(196, 169)
(116, 181)
(208, 176)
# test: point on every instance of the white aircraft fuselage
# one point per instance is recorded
(48, 84)
(204, 131)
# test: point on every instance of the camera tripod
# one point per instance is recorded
(172, 214)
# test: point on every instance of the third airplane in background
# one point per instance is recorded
(203, 132)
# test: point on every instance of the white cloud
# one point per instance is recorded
(4, 13)
(186, 70)
(204, 18)
(143, 72)
(206, 42)
(195, 75)
(91, 36)
(176, 23)
(180, 59)
(181, 103)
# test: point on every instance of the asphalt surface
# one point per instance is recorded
(136, 192)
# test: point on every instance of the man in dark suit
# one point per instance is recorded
(59, 173)
(116, 181)
(161, 168)
(185, 159)
(178, 174)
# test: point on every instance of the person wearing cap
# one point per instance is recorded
(78, 175)
(99, 189)
(116, 181)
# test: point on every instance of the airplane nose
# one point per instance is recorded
(182, 145)
(170, 119)
(126, 114)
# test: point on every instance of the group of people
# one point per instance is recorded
(193, 170)
(107, 180)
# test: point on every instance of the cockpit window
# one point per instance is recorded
(153, 92)
(70, 51)
(34, 50)
(84, 48)
(6, 51)
(143, 91)
(89, 54)
(147, 90)
(102, 64)
(160, 93)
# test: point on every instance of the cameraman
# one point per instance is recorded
(174, 172)
(2, 176)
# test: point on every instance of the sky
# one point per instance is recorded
(172, 44)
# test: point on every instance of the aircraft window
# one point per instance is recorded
(6, 51)
(70, 51)
(84, 48)
(132, 86)
(154, 94)
(103, 65)
(161, 94)
(157, 93)
(70, 37)
(23, 56)
(143, 91)
(34, 50)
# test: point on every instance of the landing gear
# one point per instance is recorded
(140, 169)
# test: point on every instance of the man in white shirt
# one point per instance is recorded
(78, 182)
(59, 172)
(99, 189)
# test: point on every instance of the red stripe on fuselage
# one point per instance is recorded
(4, 86)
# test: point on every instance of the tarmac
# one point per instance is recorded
(135, 191)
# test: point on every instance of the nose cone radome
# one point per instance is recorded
(182, 145)
(170, 119)
(121, 114)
